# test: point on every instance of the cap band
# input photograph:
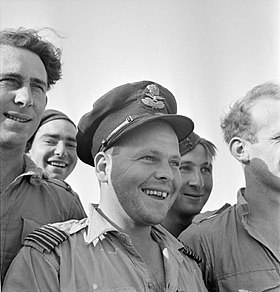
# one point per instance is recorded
(117, 130)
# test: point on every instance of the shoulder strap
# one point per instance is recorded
(209, 214)
(46, 237)
(61, 183)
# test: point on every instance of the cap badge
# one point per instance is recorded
(189, 143)
(152, 98)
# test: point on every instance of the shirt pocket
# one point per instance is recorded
(29, 225)
(251, 281)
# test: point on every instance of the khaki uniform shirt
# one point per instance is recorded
(33, 200)
(234, 257)
(95, 256)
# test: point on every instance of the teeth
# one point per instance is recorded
(156, 193)
(16, 119)
(58, 164)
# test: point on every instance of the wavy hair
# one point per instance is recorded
(29, 39)
(238, 121)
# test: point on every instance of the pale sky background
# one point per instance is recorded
(207, 52)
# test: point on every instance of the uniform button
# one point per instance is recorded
(122, 237)
(150, 285)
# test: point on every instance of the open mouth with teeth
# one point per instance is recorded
(17, 119)
(58, 164)
(158, 194)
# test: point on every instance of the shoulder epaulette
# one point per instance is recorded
(190, 253)
(61, 183)
(209, 214)
(46, 237)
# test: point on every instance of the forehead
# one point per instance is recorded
(266, 113)
(21, 61)
(61, 127)
(154, 135)
(197, 154)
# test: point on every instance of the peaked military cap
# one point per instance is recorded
(189, 143)
(123, 109)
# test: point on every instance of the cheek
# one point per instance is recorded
(178, 179)
(208, 185)
(40, 104)
(73, 155)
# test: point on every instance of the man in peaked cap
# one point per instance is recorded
(131, 136)
(53, 146)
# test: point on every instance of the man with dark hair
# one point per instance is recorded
(131, 138)
(28, 67)
(240, 246)
(53, 146)
(197, 156)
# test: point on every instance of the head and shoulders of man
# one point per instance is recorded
(29, 67)
(251, 131)
(197, 156)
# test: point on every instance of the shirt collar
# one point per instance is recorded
(32, 170)
(242, 205)
(98, 225)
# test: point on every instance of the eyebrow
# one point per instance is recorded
(190, 162)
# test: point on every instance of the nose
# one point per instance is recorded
(24, 97)
(196, 179)
(164, 172)
(60, 149)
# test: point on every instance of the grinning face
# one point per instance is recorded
(266, 114)
(197, 182)
(23, 86)
(54, 148)
(145, 173)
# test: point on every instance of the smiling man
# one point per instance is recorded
(240, 246)
(197, 182)
(28, 68)
(131, 138)
(53, 146)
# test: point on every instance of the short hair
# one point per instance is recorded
(238, 121)
(210, 148)
(30, 40)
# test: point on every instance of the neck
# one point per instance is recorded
(11, 165)
(262, 193)
(176, 224)
(117, 216)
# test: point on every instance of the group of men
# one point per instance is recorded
(155, 176)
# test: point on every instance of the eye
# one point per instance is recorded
(206, 169)
(149, 158)
(50, 142)
(38, 88)
(175, 163)
(71, 145)
(277, 138)
(185, 168)
(9, 81)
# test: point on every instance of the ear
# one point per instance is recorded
(238, 149)
(102, 166)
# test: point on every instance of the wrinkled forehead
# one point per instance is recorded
(23, 62)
